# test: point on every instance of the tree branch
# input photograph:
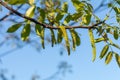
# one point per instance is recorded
(44, 24)
(10, 13)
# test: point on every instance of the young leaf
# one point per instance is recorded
(14, 27)
(30, 11)
(65, 36)
(73, 40)
(104, 51)
(109, 57)
(99, 40)
(115, 45)
(117, 59)
(25, 32)
(92, 44)
(53, 37)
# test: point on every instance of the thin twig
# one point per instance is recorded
(10, 13)
(43, 24)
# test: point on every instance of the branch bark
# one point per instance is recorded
(44, 24)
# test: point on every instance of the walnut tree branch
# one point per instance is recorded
(43, 24)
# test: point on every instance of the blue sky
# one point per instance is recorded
(25, 62)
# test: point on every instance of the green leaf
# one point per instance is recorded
(118, 18)
(53, 37)
(42, 15)
(116, 34)
(65, 7)
(109, 57)
(92, 44)
(25, 32)
(115, 45)
(86, 19)
(79, 6)
(76, 16)
(59, 16)
(42, 38)
(99, 40)
(117, 10)
(67, 19)
(59, 36)
(118, 1)
(75, 38)
(104, 51)
(38, 29)
(117, 57)
(100, 30)
(90, 7)
(14, 27)
(40, 32)
(30, 11)
(65, 36)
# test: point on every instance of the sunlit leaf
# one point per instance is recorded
(99, 40)
(30, 11)
(117, 10)
(86, 19)
(117, 59)
(38, 29)
(109, 57)
(65, 36)
(92, 44)
(104, 51)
